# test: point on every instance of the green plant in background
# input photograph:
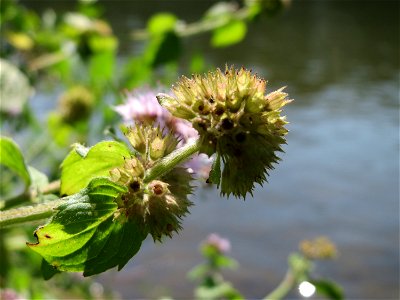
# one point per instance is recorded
(299, 274)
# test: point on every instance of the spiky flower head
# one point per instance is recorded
(158, 205)
(235, 119)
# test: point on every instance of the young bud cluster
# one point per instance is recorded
(235, 119)
(158, 205)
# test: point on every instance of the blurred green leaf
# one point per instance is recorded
(88, 233)
(164, 49)
(198, 272)
(38, 178)
(161, 23)
(14, 88)
(61, 132)
(101, 68)
(98, 43)
(223, 261)
(77, 171)
(197, 63)
(11, 157)
(223, 290)
(328, 289)
(230, 34)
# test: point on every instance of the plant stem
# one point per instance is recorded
(167, 163)
(199, 27)
(286, 285)
(45, 210)
(29, 213)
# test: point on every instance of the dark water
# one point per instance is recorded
(339, 176)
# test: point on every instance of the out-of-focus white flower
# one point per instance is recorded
(142, 106)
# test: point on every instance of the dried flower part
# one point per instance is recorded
(235, 118)
(319, 248)
(159, 205)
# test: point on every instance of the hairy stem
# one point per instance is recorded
(29, 213)
(167, 163)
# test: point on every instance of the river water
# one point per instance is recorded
(339, 175)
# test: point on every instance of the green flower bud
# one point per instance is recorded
(235, 118)
(151, 142)
(136, 137)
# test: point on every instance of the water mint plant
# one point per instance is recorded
(116, 193)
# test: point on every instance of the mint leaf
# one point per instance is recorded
(79, 167)
(11, 157)
(88, 233)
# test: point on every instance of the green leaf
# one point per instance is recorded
(230, 34)
(215, 173)
(328, 289)
(11, 157)
(48, 271)
(77, 171)
(103, 43)
(163, 49)
(88, 233)
(223, 290)
(101, 68)
(38, 178)
(161, 23)
(15, 88)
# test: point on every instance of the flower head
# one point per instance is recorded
(157, 205)
(221, 244)
(318, 248)
(235, 119)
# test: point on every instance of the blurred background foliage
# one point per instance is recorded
(73, 56)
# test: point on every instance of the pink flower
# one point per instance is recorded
(221, 244)
(142, 106)
(9, 294)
